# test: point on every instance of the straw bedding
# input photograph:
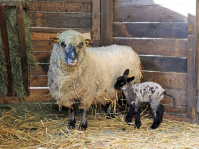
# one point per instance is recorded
(41, 126)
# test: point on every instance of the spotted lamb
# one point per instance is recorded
(138, 93)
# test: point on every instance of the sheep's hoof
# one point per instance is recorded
(110, 116)
(71, 124)
(83, 127)
(138, 124)
(128, 120)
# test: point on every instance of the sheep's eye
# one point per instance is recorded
(80, 45)
(63, 44)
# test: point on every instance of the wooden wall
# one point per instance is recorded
(162, 37)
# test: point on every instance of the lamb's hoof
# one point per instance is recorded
(83, 127)
(154, 126)
(138, 125)
(128, 120)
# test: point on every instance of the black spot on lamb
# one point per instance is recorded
(138, 93)
(81, 74)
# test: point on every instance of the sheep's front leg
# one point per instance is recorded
(158, 114)
(83, 122)
(71, 118)
(129, 115)
(137, 117)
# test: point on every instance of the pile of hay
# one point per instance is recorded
(37, 125)
(15, 60)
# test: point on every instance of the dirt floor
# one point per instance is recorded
(37, 125)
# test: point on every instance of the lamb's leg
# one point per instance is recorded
(137, 117)
(83, 122)
(158, 114)
(71, 118)
(129, 115)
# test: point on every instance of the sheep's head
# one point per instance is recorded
(70, 44)
(122, 81)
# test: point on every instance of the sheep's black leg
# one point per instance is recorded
(83, 122)
(71, 119)
(129, 115)
(137, 117)
(109, 111)
(158, 114)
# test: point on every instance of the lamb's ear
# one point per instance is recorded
(130, 79)
(126, 72)
(54, 40)
(88, 41)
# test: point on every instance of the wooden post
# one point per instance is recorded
(106, 22)
(197, 53)
(6, 49)
(96, 23)
(22, 45)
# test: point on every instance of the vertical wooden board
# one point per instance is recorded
(106, 22)
(96, 22)
(197, 52)
(22, 45)
(191, 90)
(6, 48)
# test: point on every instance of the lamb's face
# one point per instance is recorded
(121, 83)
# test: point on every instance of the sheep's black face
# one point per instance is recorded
(121, 82)
(70, 54)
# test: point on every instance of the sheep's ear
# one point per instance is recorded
(130, 79)
(54, 40)
(89, 41)
(126, 72)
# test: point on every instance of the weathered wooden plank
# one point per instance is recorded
(168, 80)
(197, 53)
(6, 48)
(106, 22)
(191, 88)
(43, 36)
(153, 30)
(96, 22)
(42, 69)
(165, 47)
(153, 13)
(181, 118)
(59, 6)
(58, 30)
(178, 110)
(41, 57)
(164, 64)
(191, 24)
(39, 95)
(149, 2)
(38, 81)
(22, 46)
(42, 45)
(10, 2)
(180, 97)
(61, 20)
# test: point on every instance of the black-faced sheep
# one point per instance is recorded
(81, 74)
(138, 93)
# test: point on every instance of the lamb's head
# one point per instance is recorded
(123, 81)
(70, 44)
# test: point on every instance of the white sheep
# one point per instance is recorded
(86, 75)
(139, 93)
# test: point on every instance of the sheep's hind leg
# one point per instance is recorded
(83, 122)
(129, 115)
(71, 119)
(158, 114)
(137, 117)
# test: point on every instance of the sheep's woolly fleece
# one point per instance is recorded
(92, 79)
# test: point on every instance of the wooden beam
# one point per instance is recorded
(197, 52)
(191, 89)
(6, 48)
(22, 45)
(106, 22)
(96, 23)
